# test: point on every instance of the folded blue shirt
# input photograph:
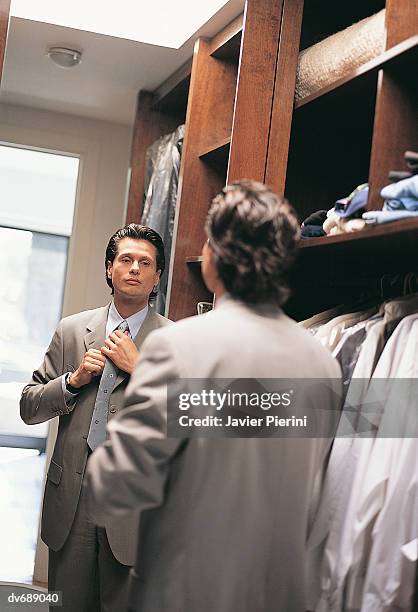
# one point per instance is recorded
(410, 204)
(347, 207)
(402, 195)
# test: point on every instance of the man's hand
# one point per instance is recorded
(92, 365)
(121, 350)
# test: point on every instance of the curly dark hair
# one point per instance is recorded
(137, 232)
(253, 234)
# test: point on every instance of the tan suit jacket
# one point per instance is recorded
(43, 399)
(224, 521)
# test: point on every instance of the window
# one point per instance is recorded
(36, 212)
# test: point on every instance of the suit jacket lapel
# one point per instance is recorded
(96, 329)
(150, 323)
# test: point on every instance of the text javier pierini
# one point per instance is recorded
(267, 420)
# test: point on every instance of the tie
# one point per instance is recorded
(97, 432)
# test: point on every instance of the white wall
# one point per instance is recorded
(104, 151)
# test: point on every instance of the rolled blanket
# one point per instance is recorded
(339, 54)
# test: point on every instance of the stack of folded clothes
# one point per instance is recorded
(343, 217)
(312, 225)
(349, 214)
(401, 197)
(346, 214)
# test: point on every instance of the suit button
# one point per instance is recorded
(112, 409)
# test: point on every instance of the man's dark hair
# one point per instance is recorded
(136, 232)
(253, 234)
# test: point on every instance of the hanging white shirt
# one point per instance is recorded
(390, 578)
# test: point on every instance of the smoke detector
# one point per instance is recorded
(64, 57)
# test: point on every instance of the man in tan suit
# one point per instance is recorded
(224, 521)
(82, 380)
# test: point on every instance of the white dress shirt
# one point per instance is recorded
(114, 319)
(390, 579)
(135, 321)
(357, 478)
(324, 555)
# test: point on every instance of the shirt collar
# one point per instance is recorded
(262, 308)
(134, 321)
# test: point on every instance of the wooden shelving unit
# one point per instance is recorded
(236, 97)
(225, 71)
(353, 131)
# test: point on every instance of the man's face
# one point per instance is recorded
(134, 272)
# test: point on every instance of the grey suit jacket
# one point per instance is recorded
(43, 399)
(224, 521)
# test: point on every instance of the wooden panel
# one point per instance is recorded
(401, 20)
(218, 95)
(4, 24)
(281, 119)
(396, 124)
(395, 129)
(138, 150)
(209, 120)
(172, 95)
(149, 125)
(224, 44)
(176, 79)
(255, 87)
(174, 102)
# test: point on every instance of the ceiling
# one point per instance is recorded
(104, 86)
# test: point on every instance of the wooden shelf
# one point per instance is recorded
(397, 229)
(338, 269)
(333, 269)
(346, 258)
(405, 228)
(227, 45)
(171, 96)
(217, 154)
(403, 56)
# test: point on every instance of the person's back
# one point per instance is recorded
(259, 339)
(232, 531)
(224, 512)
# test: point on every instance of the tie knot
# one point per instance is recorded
(123, 327)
